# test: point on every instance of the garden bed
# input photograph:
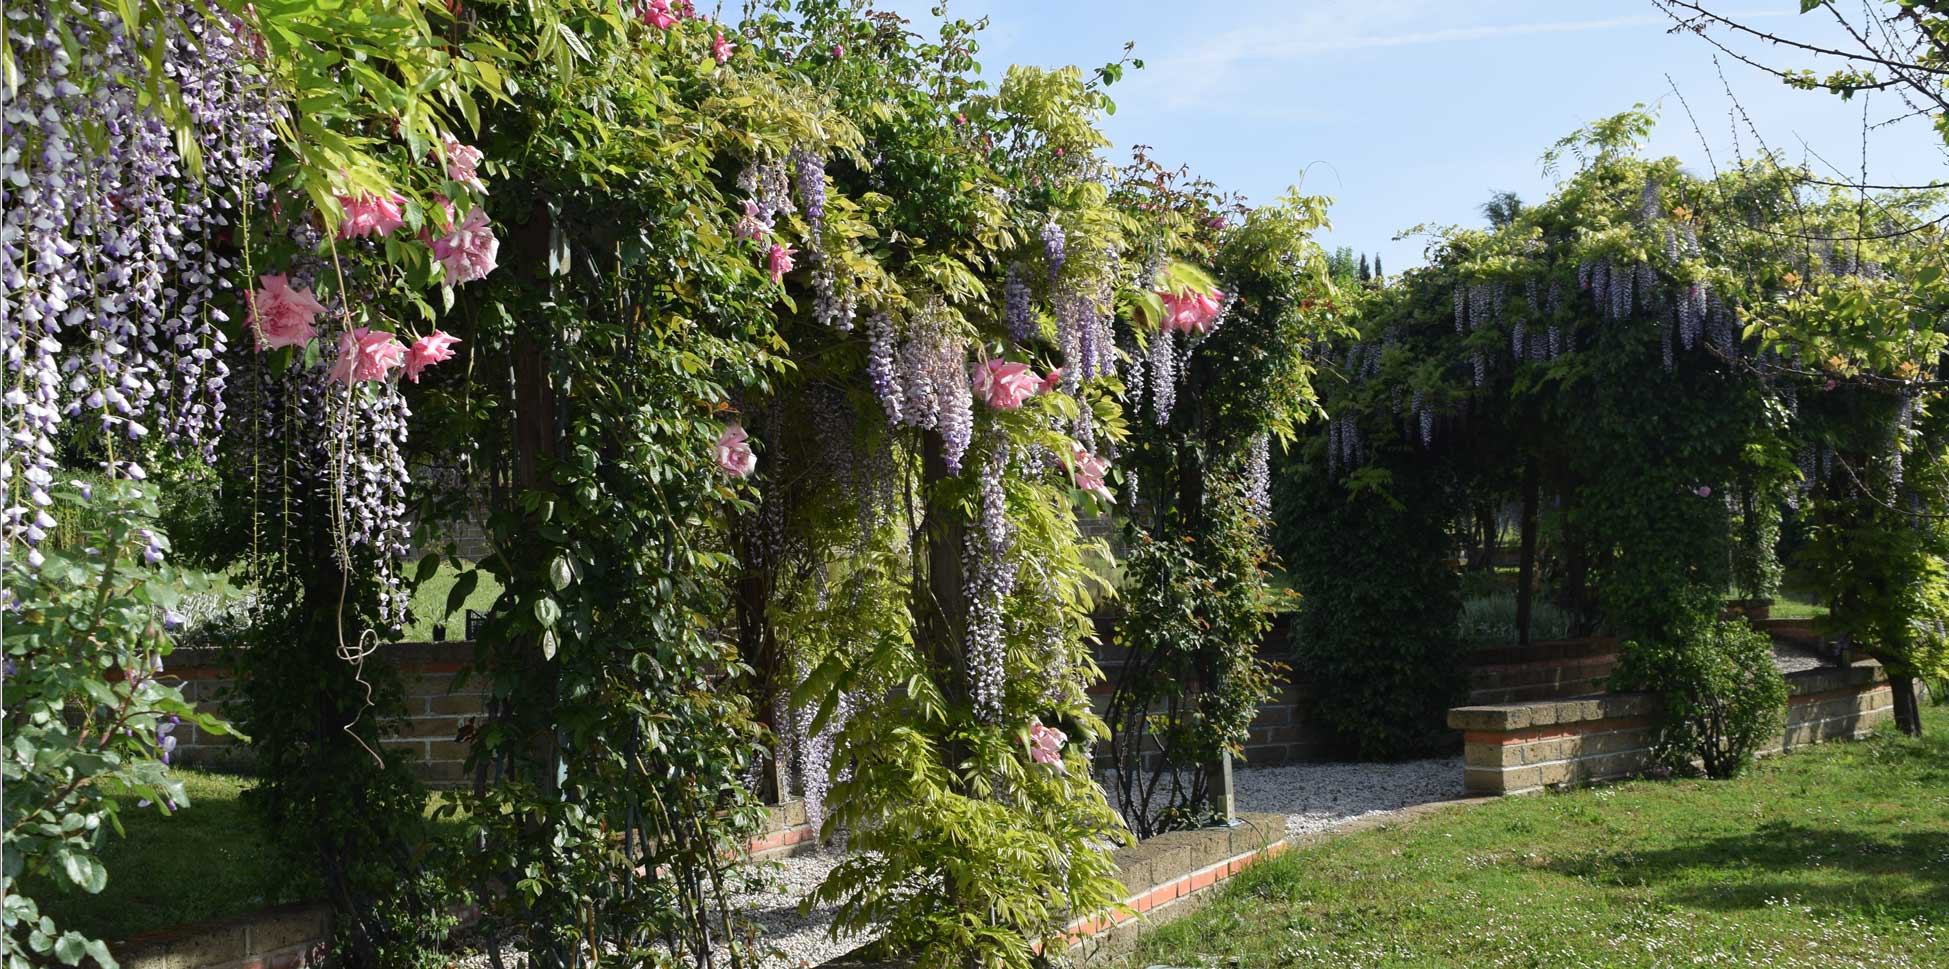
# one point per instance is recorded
(1834, 857)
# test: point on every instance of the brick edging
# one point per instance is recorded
(1081, 931)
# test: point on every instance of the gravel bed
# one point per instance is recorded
(796, 940)
(1314, 797)
(1318, 797)
(1792, 658)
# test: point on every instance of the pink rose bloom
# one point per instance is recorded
(733, 453)
(1054, 379)
(370, 215)
(427, 351)
(281, 316)
(657, 13)
(779, 261)
(365, 354)
(469, 250)
(752, 225)
(461, 160)
(1004, 385)
(1045, 745)
(1088, 475)
(721, 48)
(1192, 311)
(839, 50)
(1705, 491)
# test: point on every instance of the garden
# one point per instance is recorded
(561, 483)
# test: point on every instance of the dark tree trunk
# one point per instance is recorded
(1526, 566)
(758, 649)
(943, 599)
(1908, 711)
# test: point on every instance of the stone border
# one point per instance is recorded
(1520, 747)
(1177, 871)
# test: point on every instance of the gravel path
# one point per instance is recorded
(1314, 797)
(799, 940)
(1317, 797)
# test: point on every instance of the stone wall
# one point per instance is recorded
(1517, 747)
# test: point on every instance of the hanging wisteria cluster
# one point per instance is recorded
(1346, 445)
(990, 579)
(111, 261)
(1163, 376)
(922, 380)
(1018, 309)
(808, 752)
(1084, 332)
(1258, 475)
(1053, 242)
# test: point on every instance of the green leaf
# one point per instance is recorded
(547, 612)
(463, 587)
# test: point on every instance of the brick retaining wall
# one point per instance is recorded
(1517, 747)
(1282, 733)
(435, 710)
(1540, 671)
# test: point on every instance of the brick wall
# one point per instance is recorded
(1517, 747)
(435, 709)
(1282, 733)
(1540, 671)
(280, 938)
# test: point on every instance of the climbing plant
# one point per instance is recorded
(1216, 335)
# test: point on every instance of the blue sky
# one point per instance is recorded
(1413, 111)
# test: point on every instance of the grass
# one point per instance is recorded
(1833, 857)
(429, 604)
(1790, 604)
(208, 860)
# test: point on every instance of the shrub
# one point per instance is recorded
(89, 723)
(1723, 695)
(1375, 634)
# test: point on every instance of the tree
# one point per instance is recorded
(1900, 46)
(1364, 274)
(1502, 208)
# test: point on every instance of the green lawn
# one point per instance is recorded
(1791, 604)
(429, 603)
(1834, 857)
(205, 861)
